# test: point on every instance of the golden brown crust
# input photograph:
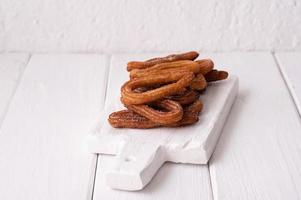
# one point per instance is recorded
(206, 65)
(175, 82)
(191, 55)
(216, 75)
(191, 114)
(167, 67)
(171, 111)
(185, 97)
(164, 92)
(130, 119)
(199, 82)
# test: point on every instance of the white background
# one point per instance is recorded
(113, 26)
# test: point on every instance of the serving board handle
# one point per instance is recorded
(136, 164)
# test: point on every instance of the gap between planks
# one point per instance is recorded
(288, 82)
(105, 99)
(15, 89)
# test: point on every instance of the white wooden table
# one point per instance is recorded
(48, 103)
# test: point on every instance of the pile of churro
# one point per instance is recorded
(164, 91)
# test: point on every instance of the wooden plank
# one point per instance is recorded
(290, 66)
(11, 70)
(42, 150)
(258, 154)
(172, 181)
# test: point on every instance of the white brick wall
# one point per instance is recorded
(144, 26)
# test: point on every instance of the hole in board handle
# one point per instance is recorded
(129, 159)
